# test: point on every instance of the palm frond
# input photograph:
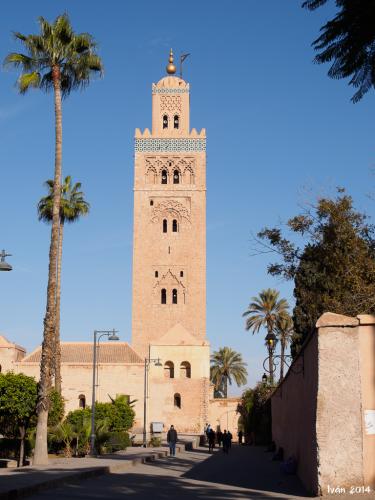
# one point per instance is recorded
(27, 81)
(56, 45)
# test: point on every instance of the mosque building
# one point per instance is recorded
(169, 351)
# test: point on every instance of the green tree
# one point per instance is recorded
(60, 60)
(227, 364)
(348, 41)
(264, 311)
(334, 270)
(255, 410)
(118, 414)
(18, 397)
(284, 331)
(72, 207)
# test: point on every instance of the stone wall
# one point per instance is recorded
(223, 413)
(318, 410)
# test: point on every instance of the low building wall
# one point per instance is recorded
(222, 412)
(319, 410)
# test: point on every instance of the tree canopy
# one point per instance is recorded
(56, 49)
(348, 42)
(72, 203)
(118, 415)
(335, 268)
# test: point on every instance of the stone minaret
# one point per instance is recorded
(169, 250)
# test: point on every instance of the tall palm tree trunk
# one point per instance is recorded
(57, 350)
(41, 452)
(282, 356)
(225, 386)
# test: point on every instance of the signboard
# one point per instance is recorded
(369, 421)
(157, 426)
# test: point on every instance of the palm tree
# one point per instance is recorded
(284, 332)
(225, 364)
(60, 60)
(264, 311)
(64, 433)
(348, 41)
(72, 207)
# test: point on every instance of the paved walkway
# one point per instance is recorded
(246, 473)
(21, 481)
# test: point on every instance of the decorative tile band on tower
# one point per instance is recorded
(166, 145)
(169, 91)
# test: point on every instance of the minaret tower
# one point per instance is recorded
(169, 250)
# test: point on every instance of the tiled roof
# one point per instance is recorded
(4, 342)
(82, 352)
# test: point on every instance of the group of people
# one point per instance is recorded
(223, 439)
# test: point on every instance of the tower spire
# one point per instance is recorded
(171, 68)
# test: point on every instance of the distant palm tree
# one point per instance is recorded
(57, 60)
(225, 365)
(72, 207)
(348, 41)
(284, 331)
(264, 311)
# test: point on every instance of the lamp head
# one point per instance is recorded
(264, 378)
(158, 363)
(270, 340)
(4, 266)
(113, 336)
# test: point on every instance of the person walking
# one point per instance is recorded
(240, 436)
(211, 440)
(230, 437)
(219, 435)
(172, 440)
(225, 442)
(208, 428)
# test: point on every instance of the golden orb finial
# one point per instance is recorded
(171, 68)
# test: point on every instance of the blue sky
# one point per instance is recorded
(280, 133)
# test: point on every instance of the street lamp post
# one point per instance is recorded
(4, 266)
(271, 343)
(111, 334)
(148, 361)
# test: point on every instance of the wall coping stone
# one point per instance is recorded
(366, 319)
(332, 319)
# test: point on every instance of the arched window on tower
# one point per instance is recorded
(185, 369)
(165, 226)
(165, 121)
(176, 177)
(168, 369)
(164, 177)
(174, 296)
(174, 226)
(176, 121)
(82, 401)
(177, 400)
(163, 296)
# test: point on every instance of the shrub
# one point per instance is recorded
(155, 441)
(118, 441)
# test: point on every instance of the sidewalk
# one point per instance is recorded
(25, 481)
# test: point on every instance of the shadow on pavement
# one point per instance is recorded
(145, 487)
(247, 467)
